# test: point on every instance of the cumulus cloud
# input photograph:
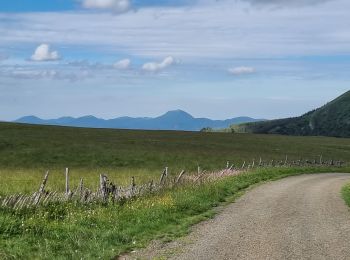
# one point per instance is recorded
(122, 64)
(241, 70)
(154, 66)
(43, 53)
(116, 6)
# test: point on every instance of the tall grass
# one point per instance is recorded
(65, 231)
(346, 194)
(27, 181)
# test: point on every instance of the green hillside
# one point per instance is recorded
(26, 151)
(68, 231)
(56, 147)
(333, 119)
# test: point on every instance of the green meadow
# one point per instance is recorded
(27, 151)
(68, 231)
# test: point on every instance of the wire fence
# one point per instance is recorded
(109, 193)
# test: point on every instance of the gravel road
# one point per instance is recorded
(301, 217)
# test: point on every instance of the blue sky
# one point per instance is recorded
(73, 5)
(218, 59)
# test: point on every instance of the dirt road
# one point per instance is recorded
(302, 217)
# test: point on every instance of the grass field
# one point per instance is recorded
(67, 231)
(26, 152)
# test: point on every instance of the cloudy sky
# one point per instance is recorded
(212, 58)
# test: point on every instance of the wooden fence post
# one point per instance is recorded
(151, 186)
(163, 176)
(180, 176)
(200, 176)
(37, 197)
(67, 181)
(103, 186)
(81, 187)
(133, 185)
(42, 187)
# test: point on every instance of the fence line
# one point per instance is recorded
(108, 192)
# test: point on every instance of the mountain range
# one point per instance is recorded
(333, 119)
(172, 120)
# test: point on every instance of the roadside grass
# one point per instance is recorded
(346, 193)
(67, 231)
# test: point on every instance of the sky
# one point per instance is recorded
(212, 58)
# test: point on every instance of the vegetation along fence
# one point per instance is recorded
(108, 192)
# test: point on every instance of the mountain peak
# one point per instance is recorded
(178, 114)
(89, 117)
(171, 120)
(29, 119)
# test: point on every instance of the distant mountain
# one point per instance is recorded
(333, 119)
(172, 120)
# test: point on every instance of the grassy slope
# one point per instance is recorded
(332, 119)
(38, 146)
(68, 232)
(47, 146)
(27, 151)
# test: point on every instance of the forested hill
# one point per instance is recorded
(333, 119)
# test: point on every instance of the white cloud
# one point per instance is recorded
(30, 71)
(228, 30)
(116, 6)
(287, 2)
(122, 64)
(43, 53)
(52, 74)
(225, 32)
(154, 66)
(241, 70)
(34, 74)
